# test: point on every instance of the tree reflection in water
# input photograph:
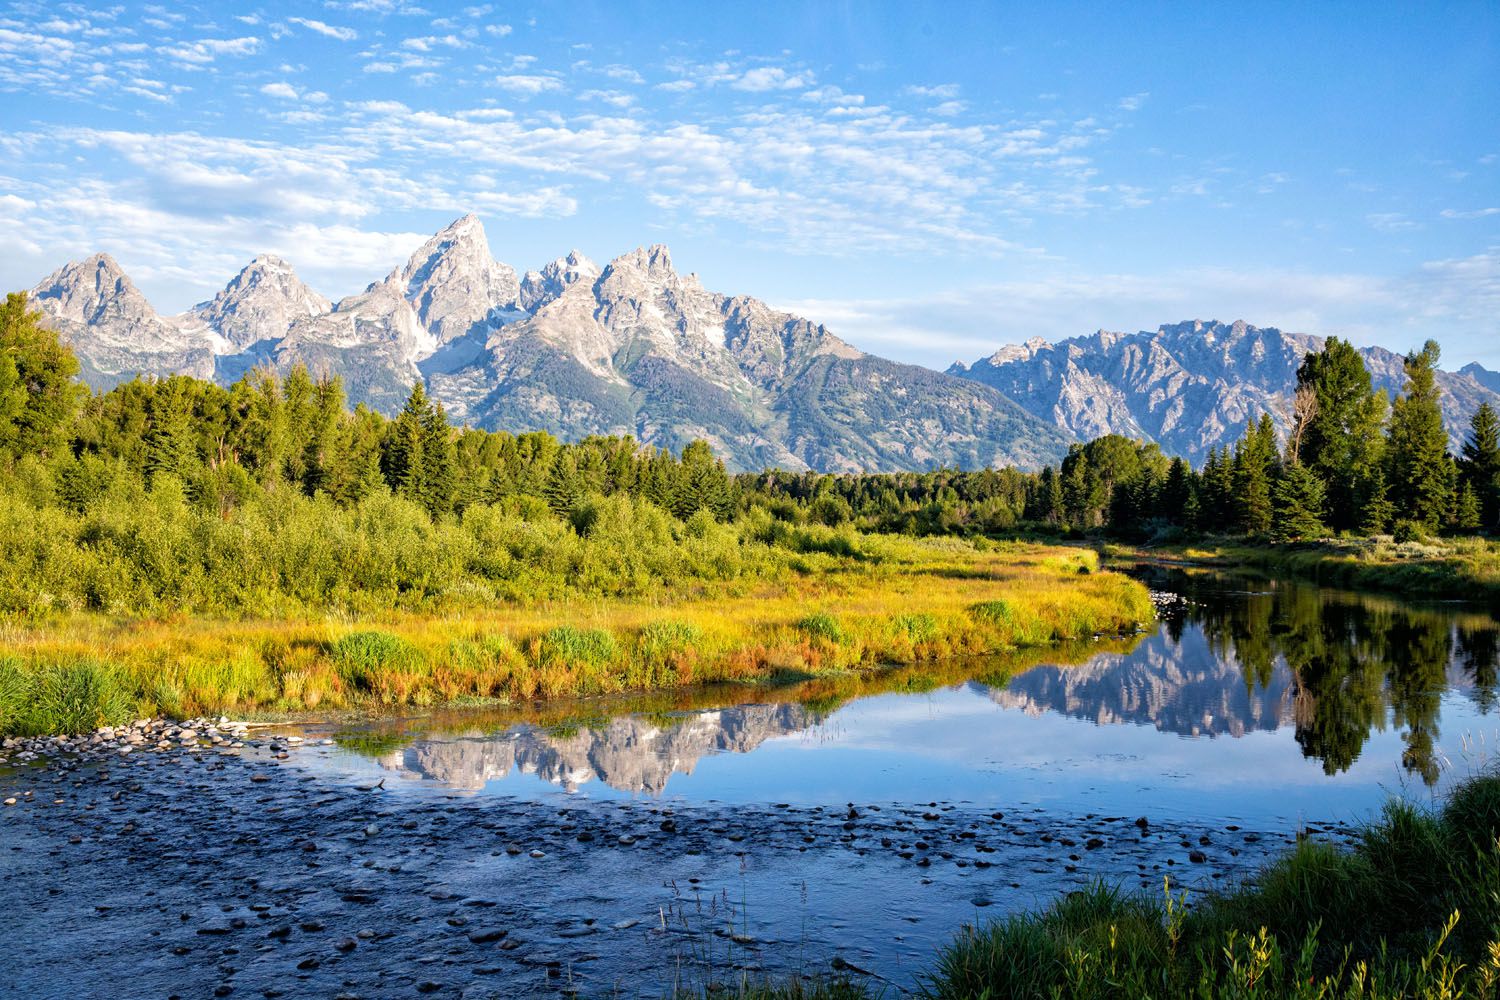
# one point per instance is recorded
(1356, 660)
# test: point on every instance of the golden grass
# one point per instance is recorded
(926, 602)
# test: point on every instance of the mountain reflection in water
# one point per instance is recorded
(1231, 659)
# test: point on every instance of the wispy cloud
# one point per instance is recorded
(327, 30)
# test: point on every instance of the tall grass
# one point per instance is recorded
(1413, 910)
(909, 602)
(1467, 568)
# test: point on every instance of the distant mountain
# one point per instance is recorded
(630, 348)
(628, 753)
(1189, 386)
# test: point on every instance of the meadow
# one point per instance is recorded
(298, 606)
(1462, 568)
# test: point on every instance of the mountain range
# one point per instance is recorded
(635, 347)
(1190, 386)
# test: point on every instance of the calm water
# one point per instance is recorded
(1264, 702)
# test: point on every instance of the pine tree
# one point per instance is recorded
(1341, 443)
(1466, 509)
(1481, 464)
(1376, 512)
(1049, 498)
(1176, 492)
(170, 447)
(402, 459)
(1255, 469)
(1421, 475)
(1298, 512)
(438, 481)
(39, 399)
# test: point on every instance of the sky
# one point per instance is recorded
(931, 180)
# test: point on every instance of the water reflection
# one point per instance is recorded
(1242, 685)
(1349, 662)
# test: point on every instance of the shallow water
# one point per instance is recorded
(613, 848)
(1261, 702)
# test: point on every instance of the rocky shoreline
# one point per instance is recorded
(199, 859)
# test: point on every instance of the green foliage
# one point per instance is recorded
(824, 626)
(1343, 443)
(75, 696)
(365, 660)
(1298, 509)
(567, 646)
(1420, 471)
(1410, 911)
(38, 398)
(1480, 465)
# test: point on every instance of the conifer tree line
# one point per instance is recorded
(1351, 461)
(297, 431)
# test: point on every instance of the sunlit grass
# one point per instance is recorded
(920, 602)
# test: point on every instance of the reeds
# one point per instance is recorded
(906, 602)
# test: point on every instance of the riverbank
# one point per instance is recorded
(208, 870)
(1457, 568)
(266, 877)
(920, 602)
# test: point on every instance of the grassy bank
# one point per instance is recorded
(1466, 568)
(1412, 911)
(896, 601)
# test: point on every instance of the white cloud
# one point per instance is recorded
(943, 91)
(285, 91)
(1134, 102)
(1390, 222)
(327, 30)
(1477, 213)
(624, 74)
(527, 84)
(206, 50)
(764, 78)
(497, 30)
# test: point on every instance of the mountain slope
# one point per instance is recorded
(1188, 386)
(630, 348)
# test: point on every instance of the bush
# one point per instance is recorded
(822, 625)
(367, 660)
(79, 697)
(1406, 531)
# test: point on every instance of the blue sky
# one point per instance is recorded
(930, 180)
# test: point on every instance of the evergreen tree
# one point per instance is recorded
(39, 400)
(1421, 475)
(1481, 464)
(1466, 509)
(1298, 508)
(1176, 492)
(1377, 512)
(170, 447)
(1255, 469)
(1341, 443)
(437, 475)
(402, 461)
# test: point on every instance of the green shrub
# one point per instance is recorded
(824, 626)
(567, 646)
(364, 658)
(79, 697)
(17, 698)
(994, 612)
(919, 628)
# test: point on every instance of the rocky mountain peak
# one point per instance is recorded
(94, 302)
(453, 282)
(540, 287)
(259, 303)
